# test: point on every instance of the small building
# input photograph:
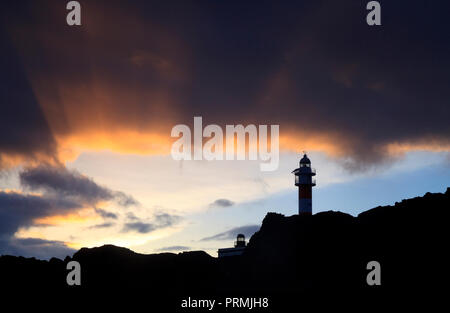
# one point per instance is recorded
(239, 247)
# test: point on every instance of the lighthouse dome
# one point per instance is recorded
(305, 160)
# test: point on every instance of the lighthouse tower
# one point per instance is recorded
(305, 181)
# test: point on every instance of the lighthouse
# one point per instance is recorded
(305, 181)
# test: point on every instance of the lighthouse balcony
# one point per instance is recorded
(305, 171)
(304, 180)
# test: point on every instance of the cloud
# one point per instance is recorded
(19, 210)
(69, 183)
(160, 220)
(319, 83)
(231, 234)
(139, 227)
(35, 247)
(25, 133)
(106, 214)
(174, 248)
(64, 192)
(166, 220)
(131, 217)
(332, 91)
(103, 225)
(123, 199)
(221, 203)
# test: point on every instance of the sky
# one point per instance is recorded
(86, 114)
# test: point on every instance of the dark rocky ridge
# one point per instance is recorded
(325, 254)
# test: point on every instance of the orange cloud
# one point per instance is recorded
(121, 141)
(123, 86)
(81, 216)
(398, 148)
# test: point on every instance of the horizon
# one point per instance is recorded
(180, 249)
(88, 111)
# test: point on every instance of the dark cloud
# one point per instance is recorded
(19, 210)
(106, 214)
(140, 227)
(24, 132)
(221, 203)
(160, 220)
(166, 220)
(64, 192)
(231, 234)
(131, 217)
(35, 247)
(174, 248)
(69, 183)
(123, 199)
(314, 67)
(362, 86)
(103, 225)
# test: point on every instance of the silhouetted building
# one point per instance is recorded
(305, 181)
(239, 247)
